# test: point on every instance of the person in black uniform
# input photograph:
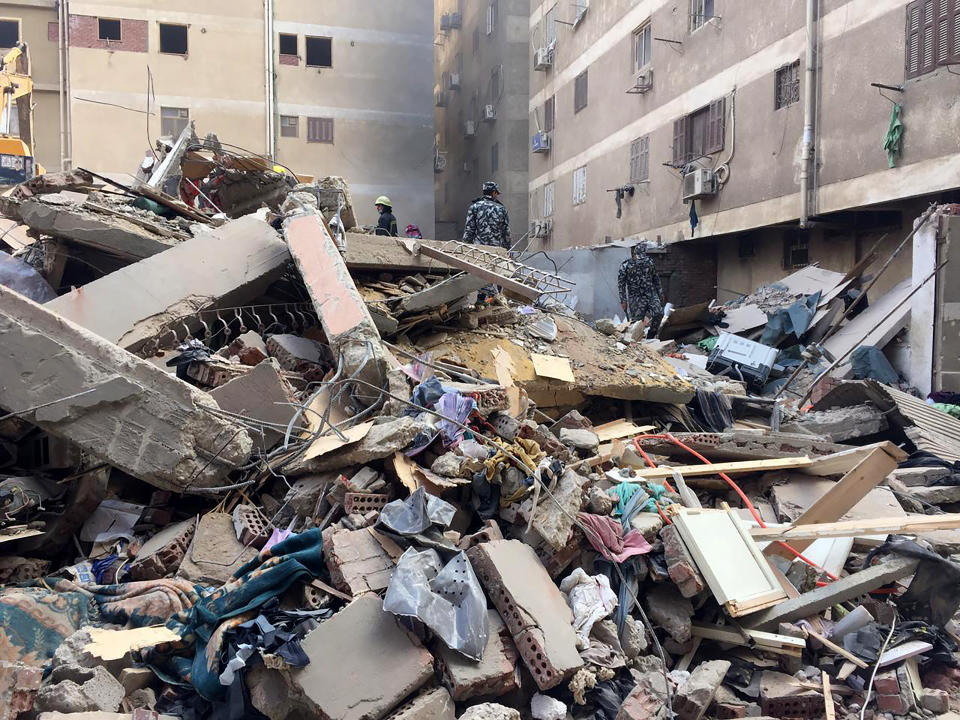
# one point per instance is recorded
(387, 224)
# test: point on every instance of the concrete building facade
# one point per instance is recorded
(481, 97)
(638, 94)
(334, 88)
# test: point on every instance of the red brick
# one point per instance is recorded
(18, 688)
(289, 59)
(895, 704)
(85, 33)
(886, 683)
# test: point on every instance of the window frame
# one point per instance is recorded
(645, 28)
(306, 50)
(581, 93)
(698, 13)
(284, 125)
(495, 158)
(493, 13)
(580, 198)
(710, 120)
(186, 118)
(19, 25)
(549, 199)
(550, 114)
(320, 137)
(100, 36)
(640, 160)
(296, 40)
(186, 35)
(778, 97)
(792, 242)
(924, 43)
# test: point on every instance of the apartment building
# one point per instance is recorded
(481, 97)
(741, 133)
(342, 87)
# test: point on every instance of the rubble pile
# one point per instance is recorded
(279, 469)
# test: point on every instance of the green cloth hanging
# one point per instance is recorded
(893, 141)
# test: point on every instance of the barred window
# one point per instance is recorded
(787, 85)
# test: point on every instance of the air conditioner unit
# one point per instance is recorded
(543, 59)
(456, 21)
(541, 142)
(546, 227)
(489, 113)
(439, 162)
(643, 82)
(454, 81)
(441, 98)
(445, 23)
(469, 129)
(699, 183)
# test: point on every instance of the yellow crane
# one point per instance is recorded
(17, 163)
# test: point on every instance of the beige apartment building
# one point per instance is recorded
(769, 118)
(481, 96)
(342, 87)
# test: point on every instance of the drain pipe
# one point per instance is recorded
(809, 127)
(268, 44)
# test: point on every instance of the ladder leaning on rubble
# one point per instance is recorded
(501, 270)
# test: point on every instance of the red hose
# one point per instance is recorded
(736, 488)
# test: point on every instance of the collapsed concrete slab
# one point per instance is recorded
(362, 664)
(221, 267)
(117, 407)
(357, 562)
(263, 396)
(343, 314)
(215, 553)
(433, 704)
(114, 234)
(743, 445)
(533, 608)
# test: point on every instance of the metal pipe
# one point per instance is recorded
(809, 128)
(268, 44)
(61, 29)
(66, 65)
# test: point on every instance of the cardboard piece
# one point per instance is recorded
(550, 366)
(329, 443)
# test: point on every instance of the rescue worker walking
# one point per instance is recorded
(387, 224)
(641, 295)
(487, 220)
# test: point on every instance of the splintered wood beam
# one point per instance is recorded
(855, 528)
(730, 468)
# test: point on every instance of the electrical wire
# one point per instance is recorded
(876, 667)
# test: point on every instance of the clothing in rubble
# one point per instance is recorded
(487, 223)
(387, 225)
(641, 294)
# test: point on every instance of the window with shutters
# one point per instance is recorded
(580, 92)
(550, 22)
(933, 36)
(699, 133)
(787, 85)
(640, 160)
(642, 47)
(319, 130)
(548, 196)
(580, 185)
(550, 113)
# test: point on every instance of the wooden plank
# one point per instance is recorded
(854, 528)
(770, 642)
(620, 429)
(843, 496)
(730, 468)
(846, 460)
(829, 709)
(687, 660)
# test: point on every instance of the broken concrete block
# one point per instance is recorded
(920, 476)
(19, 684)
(842, 423)
(555, 515)
(221, 267)
(263, 396)
(134, 679)
(343, 313)
(433, 704)
(648, 525)
(695, 695)
(305, 496)
(215, 553)
(598, 502)
(646, 699)
(249, 348)
(442, 293)
(671, 611)
(680, 564)
(490, 711)
(376, 664)
(533, 608)
(936, 701)
(294, 352)
(63, 697)
(80, 689)
(934, 495)
(112, 404)
(382, 441)
(580, 439)
(357, 562)
(162, 554)
(495, 675)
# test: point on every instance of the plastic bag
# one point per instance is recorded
(24, 279)
(590, 598)
(416, 514)
(449, 601)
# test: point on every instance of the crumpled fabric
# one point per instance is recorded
(448, 599)
(794, 320)
(590, 598)
(527, 451)
(416, 514)
(456, 406)
(426, 395)
(869, 362)
(622, 492)
(203, 627)
(609, 540)
(24, 279)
